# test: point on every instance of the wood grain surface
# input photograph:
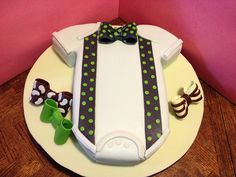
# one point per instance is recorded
(212, 154)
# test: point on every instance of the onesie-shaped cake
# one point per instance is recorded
(120, 109)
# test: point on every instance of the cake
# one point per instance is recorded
(120, 109)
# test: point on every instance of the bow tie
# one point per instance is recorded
(51, 114)
(180, 103)
(41, 91)
(126, 33)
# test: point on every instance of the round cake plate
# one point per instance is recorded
(50, 67)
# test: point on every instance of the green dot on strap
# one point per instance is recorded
(129, 25)
(92, 63)
(91, 89)
(134, 28)
(145, 71)
(158, 135)
(131, 32)
(84, 103)
(149, 114)
(151, 59)
(92, 42)
(105, 26)
(82, 128)
(83, 93)
(110, 35)
(144, 62)
(116, 34)
(90, 121)
(153, 76)
(103, 31)
(148, 43)
(146, 82)
(100, 34)
(155, 97)
(94, 35)
(149, 126)
(90, 132)
(127, 29)
(90, 109)
(91, 79)
(156, 108)
(85, 56)
(152, 67)
(158, 121)
(124, 34)
(90, 98)
(148, 102)
(86, 47)
(82, 117)
(141, 47)
(146, 92)
(93, 70)
(85, 84)
(149, 51)
(86, 38)
(149, 138)
(93, 54)
(141, 39)
(85, 74)
(142, 55)
(85, 65)
(154, 87)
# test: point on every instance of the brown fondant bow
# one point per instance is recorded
(41, 91)
(180, 103)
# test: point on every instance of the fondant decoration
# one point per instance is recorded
(192, 94)
(108, 34)
(41, 91)
(153, 127)
(51, 113)
(88, 86)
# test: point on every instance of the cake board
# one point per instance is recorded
(183, 132)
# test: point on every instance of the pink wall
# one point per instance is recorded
(208, 29)
(26, 27)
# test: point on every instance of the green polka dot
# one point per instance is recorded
(155, 97)
(105, 26)
(109, 30)
(119, 30)
(92, 62)
(85, 84)
(134, 28)
(158, 135)
(124, 34)
(90, 109)
(144, 62)
(86, 47)
(151, 59)
(141, 47)
(85, 65)
(85, 56)
(91, 79)
(93, 54)
(146, 82)
(90, 121)
(110, 35)
(90, 132)
(156, 108)
(82, 117)
(148, 114)
(103, 31)
(149, 51)
(83, 93)
(82, 128)
(93, 70)
(149, 138)
(86, 39)
(158, 121)
(153, 76)
(85, 74)
(131, 32)
(148, 102)
(141, 39)
(146, 92)
(148, 43)
(91, 89)
(100, 34)
(152, 67)
(92, 42)
(94, 35)
(142, 55)
(129, 25)
(145, 71)
(149, 126)
(154, 87)
(84, 103)
(127, 29)
(116, 34)
(90, 98)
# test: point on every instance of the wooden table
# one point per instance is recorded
(212, 154)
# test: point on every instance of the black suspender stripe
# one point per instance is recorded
(88, 84)
(153, 126)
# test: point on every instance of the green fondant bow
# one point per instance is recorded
(51, 113)
(126, 33)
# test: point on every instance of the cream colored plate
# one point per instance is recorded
(69, 155)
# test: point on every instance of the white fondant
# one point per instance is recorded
(35, 92)
(119, 93)
(62, 110)
(39, 101)
(42, 89)
(63, 102)
(34, 84)
(50, 94)
(70, 102)
(59, 97)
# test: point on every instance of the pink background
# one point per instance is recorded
(208, 29)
